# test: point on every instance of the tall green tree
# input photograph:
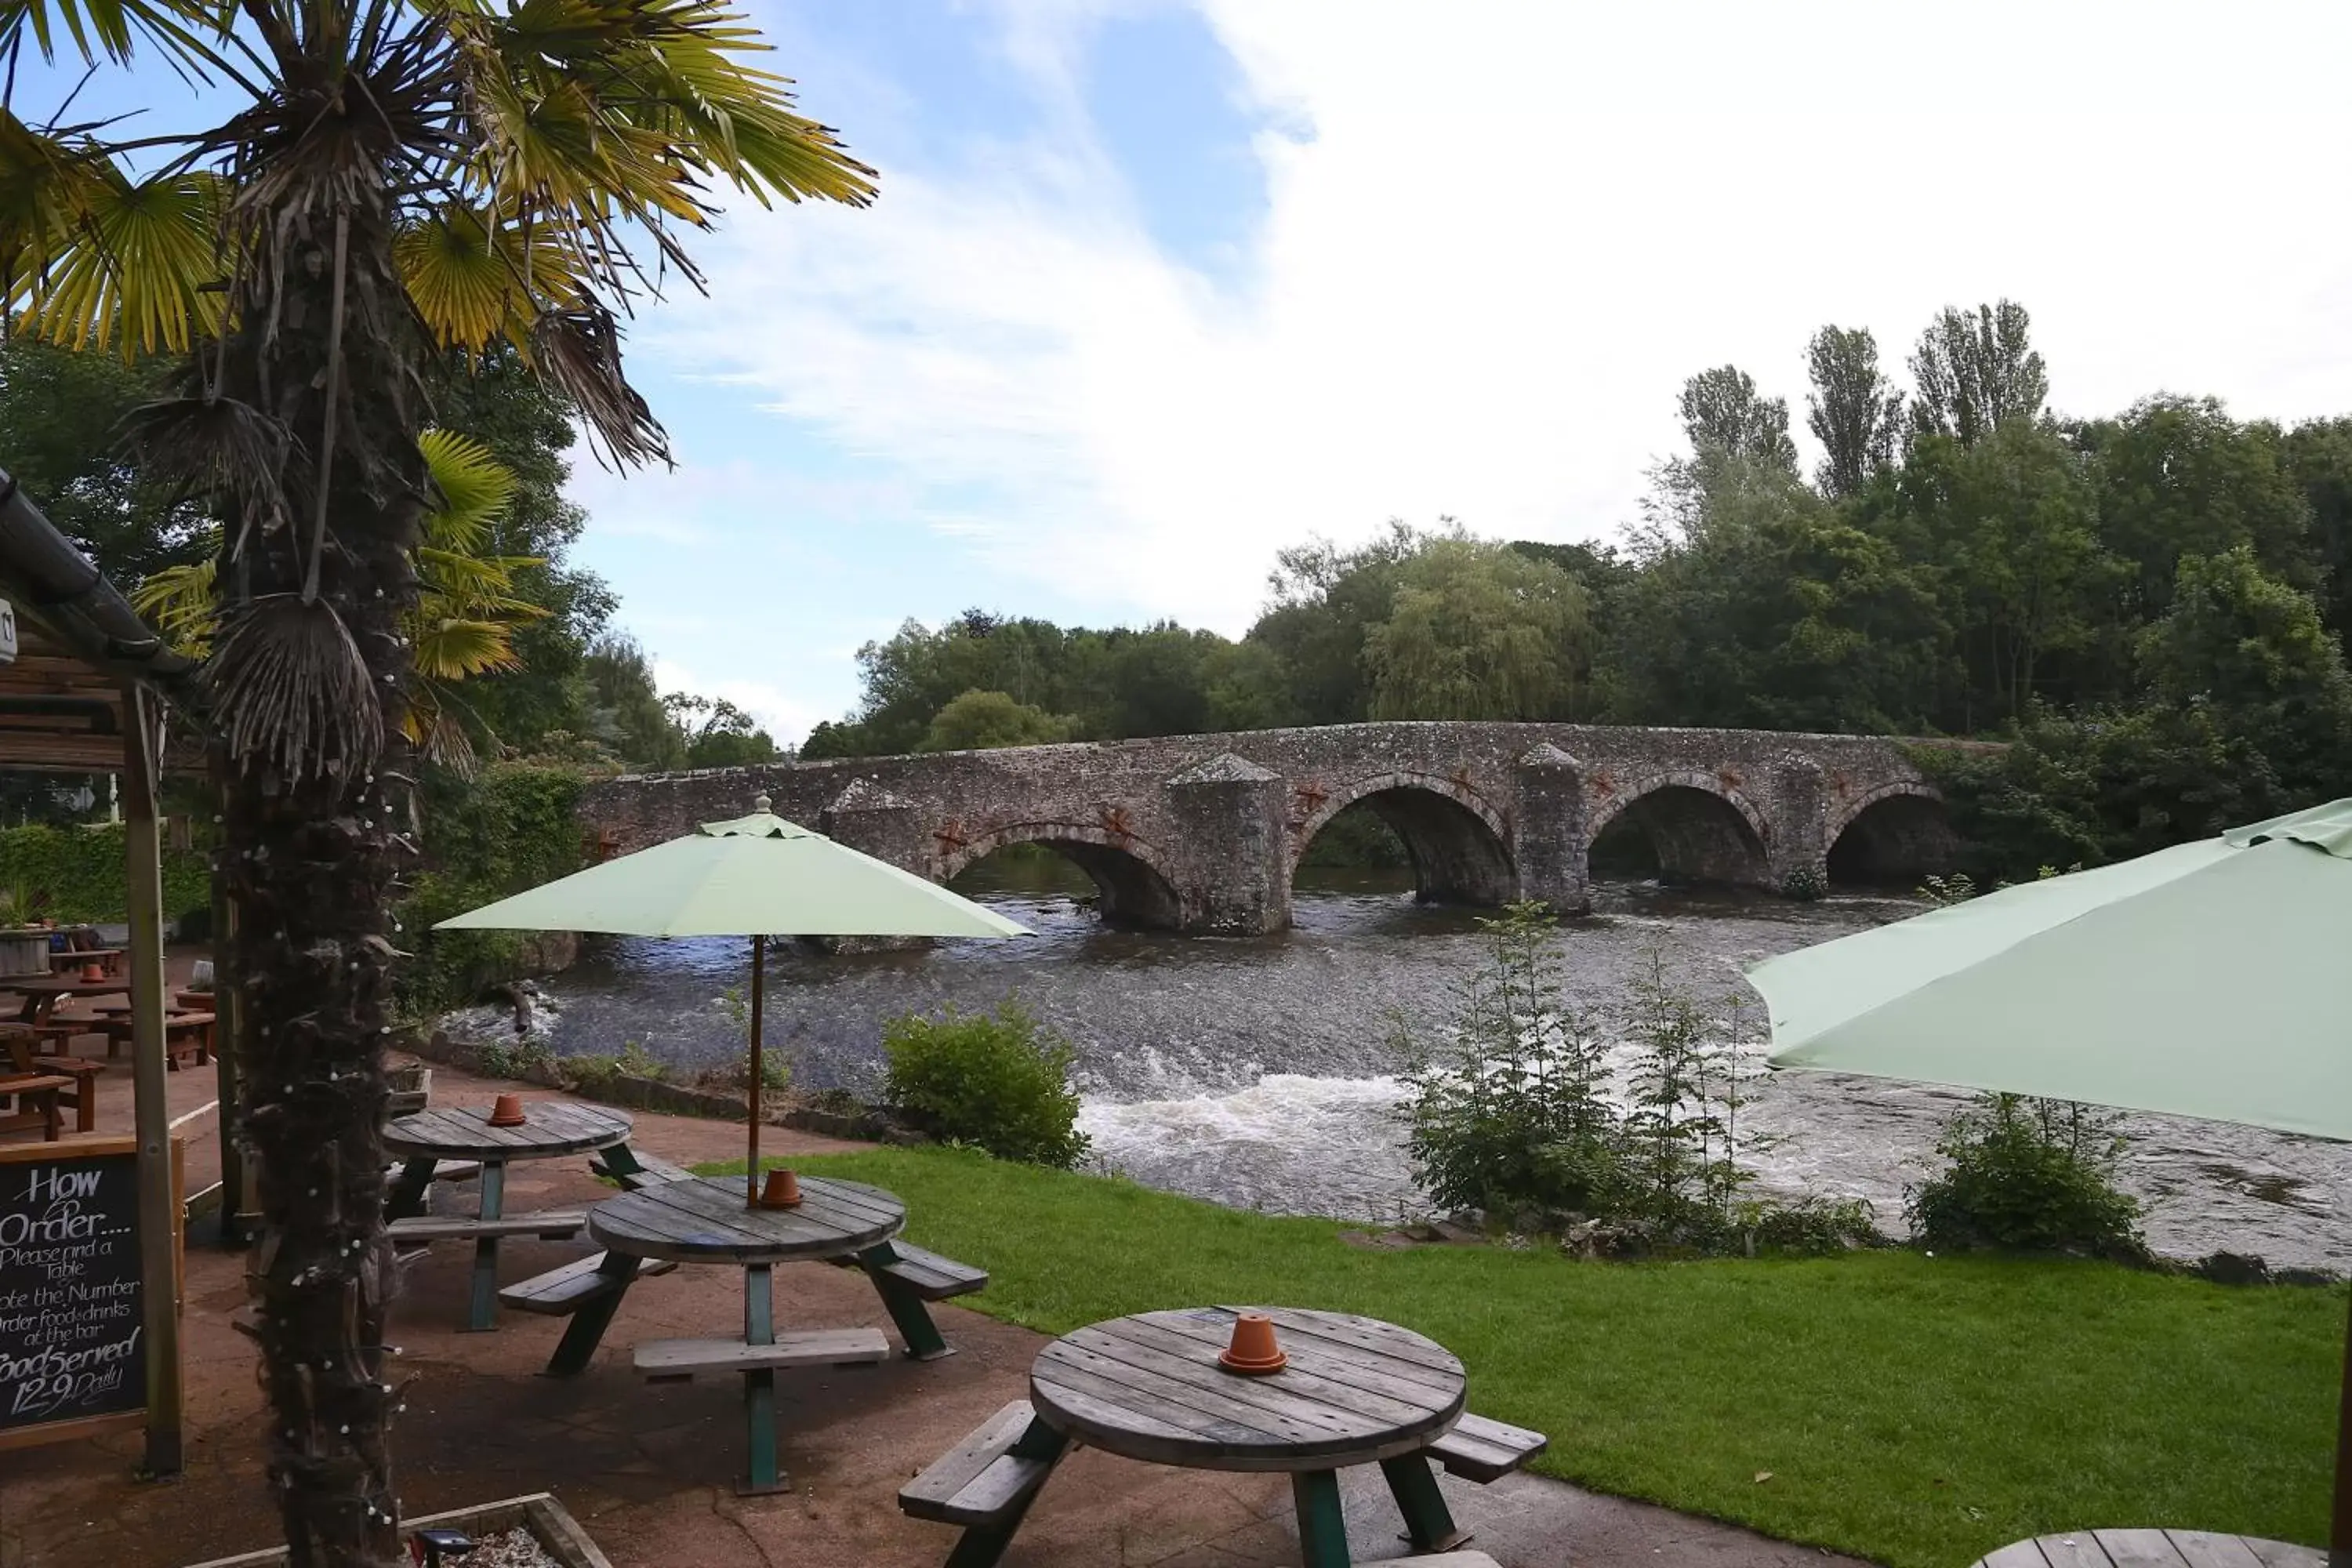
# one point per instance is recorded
(1976, 372)
(1853, 411)
(392, 181)
(1723, 413)
(1478, 630)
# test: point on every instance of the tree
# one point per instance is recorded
(1976, 373)
(1853, 411)
(718, 733)
(64, 422)
(982, 720)
(2253, 651)
(397, 180)
(1723, 414)
(1478, 630)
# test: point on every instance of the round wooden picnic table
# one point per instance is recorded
(1355, 1391)
(2152, 1549)
(42, 994)
(707, 1221)
(550, 1129)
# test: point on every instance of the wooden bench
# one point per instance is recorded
(926, 1274)
(636, 1170)
(18, 1054)
(1480, 1450)
(560, 1292)
(185, 1034)
(1445, 1560)
(980, 1481)
(553, 1225)
(670, 1360)
(443, 1170)
(37, 1101)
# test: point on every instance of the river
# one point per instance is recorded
(1259, 1072)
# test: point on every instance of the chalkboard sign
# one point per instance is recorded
(73, 1356)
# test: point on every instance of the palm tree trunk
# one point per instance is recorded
(311, 853)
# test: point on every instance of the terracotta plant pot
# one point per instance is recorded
(93, 970)
(782, 1191)
(507, 1111)
(1253, 1352)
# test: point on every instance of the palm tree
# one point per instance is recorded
(466, 615)
(394, 179)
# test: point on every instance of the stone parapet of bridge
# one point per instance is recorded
(1204, 833)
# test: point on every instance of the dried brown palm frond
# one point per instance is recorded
(579, 350)
(293, 693)
(219, 446)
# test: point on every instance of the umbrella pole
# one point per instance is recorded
(2339, 1528)
(759, 987)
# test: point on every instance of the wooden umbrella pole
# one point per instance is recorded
(759, 987)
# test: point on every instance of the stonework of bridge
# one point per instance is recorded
(1204, 833)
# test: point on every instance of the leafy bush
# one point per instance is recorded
(994, 1080)
(2028, 1175)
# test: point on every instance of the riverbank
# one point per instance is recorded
(1911, 1409)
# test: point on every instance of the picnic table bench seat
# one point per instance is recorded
(37, 1098)
(924, 1273)
(560, 1292)
(1480, 1450)
(981, 1480)
(639, 1170)
(443, 1170)
(662, 1361)
(1446, 1559)
(551, 1224)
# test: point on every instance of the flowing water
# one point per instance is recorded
(1260, 1071)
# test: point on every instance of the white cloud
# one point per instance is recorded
(1515, 229)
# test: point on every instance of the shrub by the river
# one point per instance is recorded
(996, 1080)
(1512, 1111)
(2022, 1175)
(2028, 1175)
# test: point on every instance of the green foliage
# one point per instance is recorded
(2028, 1176)
(592, 1072)
(1508, 1112)
(75, 874)
(1977, 372)
(1514, 1112)
(1915, 1412)
(1477, 630)
(511, 829)
(982, 721)
(994, 1080)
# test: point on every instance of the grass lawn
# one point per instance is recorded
(1912, 1410)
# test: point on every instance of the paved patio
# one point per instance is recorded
(649, 1470)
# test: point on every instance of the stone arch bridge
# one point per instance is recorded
(1202, 833)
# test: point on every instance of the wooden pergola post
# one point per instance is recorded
(158, 1207)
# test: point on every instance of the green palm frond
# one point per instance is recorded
(474, 489)
(143, 265)
(450, 647)
(475, 281)
(186, 31)
(182, 603)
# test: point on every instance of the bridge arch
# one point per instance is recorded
(1700, 827)
(1893, 833)
(1459, 845)
(1131, 876)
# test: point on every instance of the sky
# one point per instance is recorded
(1155, 288)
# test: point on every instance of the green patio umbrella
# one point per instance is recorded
(756, 876)
(2209, 980)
